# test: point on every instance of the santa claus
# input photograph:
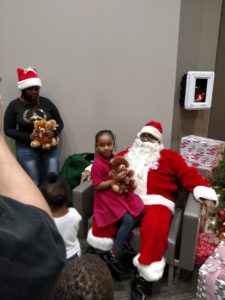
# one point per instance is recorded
(156, 171)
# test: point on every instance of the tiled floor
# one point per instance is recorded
(184, 286)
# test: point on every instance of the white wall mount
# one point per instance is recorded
(197, 89)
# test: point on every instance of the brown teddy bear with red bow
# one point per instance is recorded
(120, 164)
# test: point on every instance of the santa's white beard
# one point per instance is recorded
(142, 157)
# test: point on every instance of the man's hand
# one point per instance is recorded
(209, 205)
(86, 176)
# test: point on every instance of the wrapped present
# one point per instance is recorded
(206, 244)
(205, 171)
(202, 151)
(211, 279)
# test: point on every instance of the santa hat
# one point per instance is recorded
(154, 128)
(28, 77)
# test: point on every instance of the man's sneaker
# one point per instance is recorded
(140, 288)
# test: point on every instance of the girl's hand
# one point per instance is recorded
(127, 180)
(121, 176)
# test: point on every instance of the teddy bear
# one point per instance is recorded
(42, 134)
(119, 164)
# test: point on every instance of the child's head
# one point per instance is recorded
(85, 278)
(105, 142)
(55, 191)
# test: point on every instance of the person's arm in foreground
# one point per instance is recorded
(14, 182)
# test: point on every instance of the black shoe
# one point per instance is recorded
(128, 249)
(89, 249)
(113, 261)
(140, 288)
(117, 269)
(93, 250)
(128, 254)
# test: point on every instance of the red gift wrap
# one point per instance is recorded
(201, 151)
(206, 244)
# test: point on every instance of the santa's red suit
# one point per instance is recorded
(157, 175)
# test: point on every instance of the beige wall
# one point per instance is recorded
(105, 63)
(110, 63)
(199, 27)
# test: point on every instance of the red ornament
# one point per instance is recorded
(221, 213)
(222, 228)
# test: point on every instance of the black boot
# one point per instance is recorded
(118, 270)
(140, 288)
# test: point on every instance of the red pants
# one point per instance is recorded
(104, 232)
(154, 233)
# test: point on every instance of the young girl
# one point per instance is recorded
(56, 193)
(124, 210)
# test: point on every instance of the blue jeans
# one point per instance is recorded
(38, 162)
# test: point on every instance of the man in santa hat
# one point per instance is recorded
(156, 171)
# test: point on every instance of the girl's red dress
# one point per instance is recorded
(109, 206)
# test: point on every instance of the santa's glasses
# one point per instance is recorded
(147, 137)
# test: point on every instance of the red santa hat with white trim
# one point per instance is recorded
(28, 77)
(154, 128)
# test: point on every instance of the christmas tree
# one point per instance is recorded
(218, 183)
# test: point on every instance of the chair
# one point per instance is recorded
(183, 229)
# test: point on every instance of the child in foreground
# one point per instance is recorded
(111, 210)
(86, 278)
(56, 193)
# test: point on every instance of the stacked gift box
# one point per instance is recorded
(202, 153)
(211, 279)
(206, 244)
